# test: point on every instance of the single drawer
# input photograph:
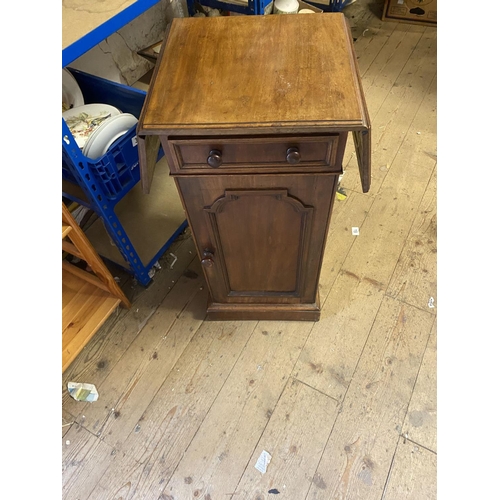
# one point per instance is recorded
(255, 154)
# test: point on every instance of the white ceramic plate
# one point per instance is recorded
(71, 94)
(83, 120)
(110, 131)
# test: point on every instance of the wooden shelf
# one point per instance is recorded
(85, 24)
(85, 308)
(65, 231)
(88, 298)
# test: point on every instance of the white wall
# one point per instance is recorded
(116, 59)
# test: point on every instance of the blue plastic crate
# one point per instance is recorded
(333, 6)
(117, 171)
(338, 5)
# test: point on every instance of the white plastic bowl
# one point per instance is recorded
(286, 7)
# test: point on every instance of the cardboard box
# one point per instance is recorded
(412, 11)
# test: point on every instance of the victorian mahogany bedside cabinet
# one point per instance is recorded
(253, 114)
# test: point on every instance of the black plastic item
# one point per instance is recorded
(417, 11)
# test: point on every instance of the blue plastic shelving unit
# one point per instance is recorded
(104, 182)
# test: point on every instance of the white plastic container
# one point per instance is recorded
(285, 7)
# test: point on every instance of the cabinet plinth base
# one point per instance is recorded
(279, 312)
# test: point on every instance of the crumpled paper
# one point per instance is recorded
(263, 462)
(83, 392)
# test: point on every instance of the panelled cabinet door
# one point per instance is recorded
(264, 259)
(260, 238)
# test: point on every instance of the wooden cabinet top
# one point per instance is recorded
(256, 73)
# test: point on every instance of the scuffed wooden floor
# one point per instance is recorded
(345, 406)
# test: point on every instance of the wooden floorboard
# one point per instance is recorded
(332, 351)
(141, 358)
(226, 439)
(359, 452)
(295, 438)
(171, 421)
(105, 350)
(393, 109)
(67, 421)
(115, 336)
(347, 213)
(413, 474)
(420, 424)
(414, 279)
(84, 456)
(346, 406)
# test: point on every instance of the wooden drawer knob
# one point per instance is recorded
(214, 159)
(293, 156)
(207, 260)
